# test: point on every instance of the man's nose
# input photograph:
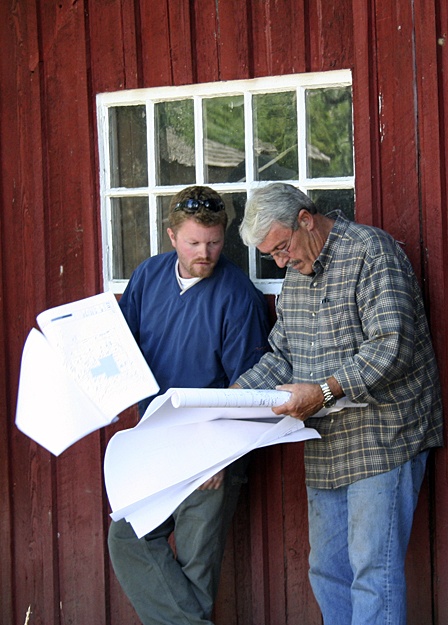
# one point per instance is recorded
(203, 250)
(281, 260)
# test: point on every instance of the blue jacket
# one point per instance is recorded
(207, 336)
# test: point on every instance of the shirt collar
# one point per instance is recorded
(339, 227)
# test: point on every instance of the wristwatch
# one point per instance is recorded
(329, 398)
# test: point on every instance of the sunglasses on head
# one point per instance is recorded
(192, 206)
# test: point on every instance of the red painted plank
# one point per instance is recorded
(275, 533)
(113, 45)
(28, 543)
(6, 588)
(436, 232)
(398, 131)
(418, 562)
(366, 116)
(259, 547)
(72, 272)
(120, 609)
(80, 533)
(73, 267)
(206, 35)
(35, 572)
(300, 603)
(233, 42)
(242, 572)
(278, 37)
(233, 604)
(330, 31)
(166, 43)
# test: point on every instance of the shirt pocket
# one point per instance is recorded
(339, 324)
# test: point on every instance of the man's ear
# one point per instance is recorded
(305, 219)
(172, 237)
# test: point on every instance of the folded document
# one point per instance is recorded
(79, 373)
(184, 438)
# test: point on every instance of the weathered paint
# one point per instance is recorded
(55, 58)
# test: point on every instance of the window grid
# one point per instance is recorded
(248, 88)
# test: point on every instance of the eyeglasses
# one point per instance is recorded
(193, 206)
(277, 253)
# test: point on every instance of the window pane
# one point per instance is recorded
(275, 136)
(175, 148)
(335, 199)
(163, 205)
(130, 235)
(268, 268)
(223, 138)
(329, 132)
(128, 149)
(234, 247)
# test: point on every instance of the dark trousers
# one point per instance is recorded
(168, 589)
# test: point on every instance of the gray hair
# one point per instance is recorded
(277, 202)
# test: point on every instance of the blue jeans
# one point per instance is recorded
(359, 536)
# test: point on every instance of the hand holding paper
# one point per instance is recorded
(185, 437)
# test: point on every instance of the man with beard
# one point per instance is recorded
(200, 323)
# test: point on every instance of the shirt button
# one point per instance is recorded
(311, 374)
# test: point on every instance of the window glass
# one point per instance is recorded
(329, 132)
(223, 121)
(130, 234)
(163, 205)
(267, 268)
(128, 146)
(175, 146)
(231, 135)
(234, 247)
(275, 136)
(328, 200)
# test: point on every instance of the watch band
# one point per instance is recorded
(329, 398)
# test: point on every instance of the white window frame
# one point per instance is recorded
(150, 96)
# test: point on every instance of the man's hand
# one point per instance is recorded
(214, 482)
(305, 400)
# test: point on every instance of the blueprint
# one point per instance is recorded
(79, 372)
(185, 437)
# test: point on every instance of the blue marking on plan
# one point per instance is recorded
(107, 367)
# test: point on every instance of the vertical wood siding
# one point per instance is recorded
(55, 57)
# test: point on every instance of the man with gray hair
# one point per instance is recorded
(350, 322)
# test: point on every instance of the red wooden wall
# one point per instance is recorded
(56, 55)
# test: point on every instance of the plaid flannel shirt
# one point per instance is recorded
(359, 318)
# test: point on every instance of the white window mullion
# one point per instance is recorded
(301, 134)
(182, 153)
(106, 210)
(249, 139)
(151, 144)
(199, 139)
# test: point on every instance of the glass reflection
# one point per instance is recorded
(175, 145)
(128, 146)
(329, 132)
(163, 205)
(328, 200)
(223, 124)
(130, 235)
(234, 247)
(275, 136)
